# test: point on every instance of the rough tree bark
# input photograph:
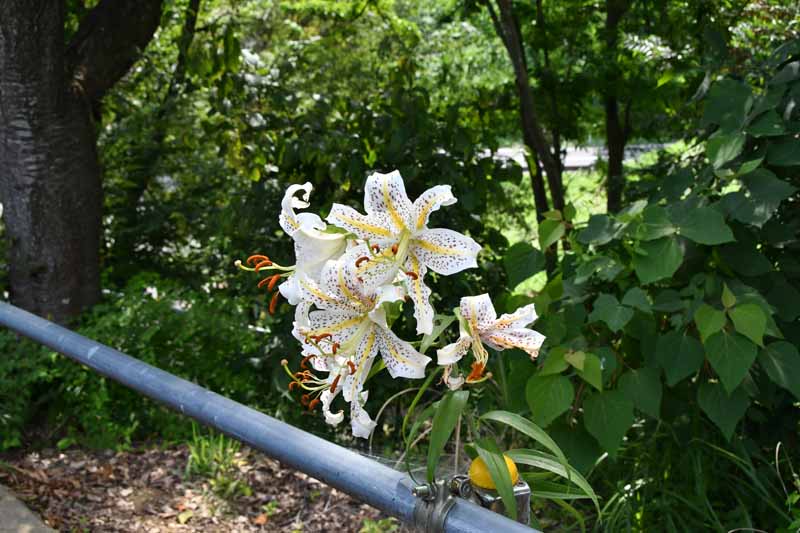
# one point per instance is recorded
(50, 181)
(617, 129)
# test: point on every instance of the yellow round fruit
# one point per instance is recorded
(480, 477)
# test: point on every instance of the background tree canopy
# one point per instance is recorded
(667, 285)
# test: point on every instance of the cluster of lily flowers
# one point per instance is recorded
(346, 270)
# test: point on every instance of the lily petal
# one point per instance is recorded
(525, 339)
(364, 356)
(341, 325)
(479, 310)
(333, 419)
(401, 359)
(430, 201)
(419, 294)
(386, 194)
(375, 227)
(288, 218)
(452, 353)
(452, 382)
(445, 251)
(360, 421)
(311, 292)
(518, 319)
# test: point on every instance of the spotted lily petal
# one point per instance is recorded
(445, 251)
(518, 319)
(525, 339)
(452, 353)
(430, 201)
(385, 194)
(374, 227)
(419, 294)
(365, 354)
(401, 359)
(478, 311)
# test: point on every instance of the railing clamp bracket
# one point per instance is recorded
(435, 501)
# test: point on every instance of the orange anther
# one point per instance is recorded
(273, 303)
(321, 336)
(335, 382)
(375, 248)
(361, 260)
(256, 258)
(313, 403)
(352, 367)
(477, 371)
(293, 385)
(262, 264)
(394, 249)
(335, 347)
(274, 280)
(412, 275)
(304, 399)
(360, 279)
(304, 360)
(264, 282)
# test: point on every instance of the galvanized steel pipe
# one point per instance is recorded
(371, 482)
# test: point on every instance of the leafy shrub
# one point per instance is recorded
(682, 310)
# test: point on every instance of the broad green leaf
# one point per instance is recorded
(636, 297)
(550, 231)
(722, 148)
(496, 464)
(679, 355)
(643, 388)
(607, 416)
(551, 463)
(528, 428)
(767, 191)
(521, 262)
(781, 361)
(592, 371)
(727, 104)
(548, 397)
(786, 300)
(744, 258)
(602, 229)
(576, 359)
(784, 153)
(728, 298)
(787, 74)
(440, 323)
(706, 226)
(750, 321)
(731, 355)
(553, 214)
(554, 362)
(723, 409)
(661, 259)
(444, 421)
(580, 447)
(708, 320)
(608, 309)
(768, 124)
(655, 224)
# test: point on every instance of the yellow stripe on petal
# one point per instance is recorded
(442, 250)
(344, 324)
(387, 199)
(422, 219)
(377, 230)
(346, 290)
(362, 361)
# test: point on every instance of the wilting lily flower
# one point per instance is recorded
(481, 325)
(346, 333)
(401, 241)
(313, 247)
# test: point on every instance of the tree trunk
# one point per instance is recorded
(616, 132)
(50, 183)
(49, 176)
(507, 28)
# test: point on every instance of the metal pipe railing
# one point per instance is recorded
(378, 485)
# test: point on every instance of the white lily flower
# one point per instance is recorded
(481, 325)
(399, 230)
(313, 247)
(348, 331)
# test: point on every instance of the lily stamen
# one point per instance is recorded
(361, 260)
(273, 302)
(256, 258)
(412, 275)
(335, 383)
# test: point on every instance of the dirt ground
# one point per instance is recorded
(148, 491)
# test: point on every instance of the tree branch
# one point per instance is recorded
(109, 40)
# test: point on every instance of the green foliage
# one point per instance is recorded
(214, 457)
